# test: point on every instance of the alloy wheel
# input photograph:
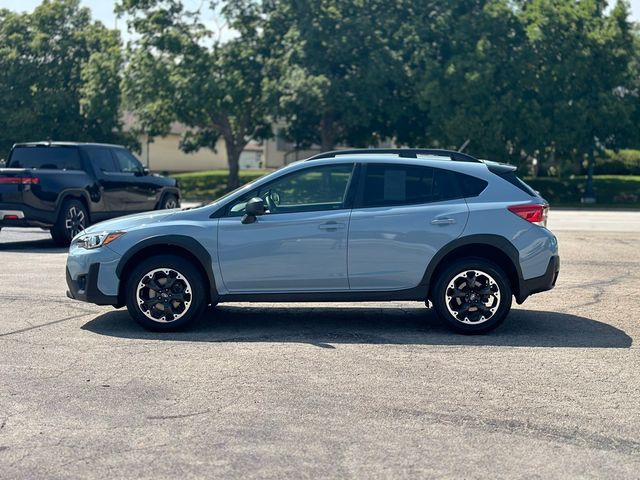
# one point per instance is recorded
(75, 221)
(164, 295)
(472, 297)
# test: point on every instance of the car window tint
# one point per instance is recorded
(470, 186)
(46, 157)
(125, 161)
(313, 189)
(517, 182)
(400, 185)
(324, 185)
(102, 159)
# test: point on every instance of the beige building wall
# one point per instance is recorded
(164, 155)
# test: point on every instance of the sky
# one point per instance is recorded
(103, 9)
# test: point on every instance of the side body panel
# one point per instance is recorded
(390, 247)
(288, 252)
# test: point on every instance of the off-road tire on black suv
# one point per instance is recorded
(72, 219)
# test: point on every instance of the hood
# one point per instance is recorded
(131, 221)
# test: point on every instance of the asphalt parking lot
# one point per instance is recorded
(322, 390)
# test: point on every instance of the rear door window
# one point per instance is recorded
(102, 160)
(387, 185)
(46, 157)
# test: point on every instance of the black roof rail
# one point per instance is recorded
(401, 152)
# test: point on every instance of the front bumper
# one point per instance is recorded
(85, 288)
(91, 275)
(543, 283)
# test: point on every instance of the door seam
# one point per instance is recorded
(348, 236)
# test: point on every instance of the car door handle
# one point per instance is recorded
(331, 226)
(443, 221)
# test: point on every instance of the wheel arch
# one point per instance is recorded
(491, 247)
(79, 195)
(180, 245)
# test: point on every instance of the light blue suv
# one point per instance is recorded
(433, 226)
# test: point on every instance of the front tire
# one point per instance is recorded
(72, 219)
(165, 293)
(169, 202)
(472, 296)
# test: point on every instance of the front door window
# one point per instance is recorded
(310, 190)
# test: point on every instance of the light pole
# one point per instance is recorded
(589, 194)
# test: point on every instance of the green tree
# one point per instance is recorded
(333, 71)
(466, 63)
(59, 74)
(583, 82)
(179, 71)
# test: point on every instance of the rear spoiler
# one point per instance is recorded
(499, 168)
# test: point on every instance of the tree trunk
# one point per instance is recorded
(233, 159)
(328, 132)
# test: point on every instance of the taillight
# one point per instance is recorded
(20, 180)
(532, 213)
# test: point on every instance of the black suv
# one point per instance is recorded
(65, 187)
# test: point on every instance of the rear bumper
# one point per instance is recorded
(85, 288)
(542, 283)
(18, 214)
(26, 216)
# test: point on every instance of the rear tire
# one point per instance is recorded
(472, 296)
(72, 219)
(165, 293)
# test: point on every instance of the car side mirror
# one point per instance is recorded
(146, 171)
(253, 209)
(142, 172)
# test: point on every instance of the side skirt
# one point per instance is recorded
(417, 294)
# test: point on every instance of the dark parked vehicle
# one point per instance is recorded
(65, 187)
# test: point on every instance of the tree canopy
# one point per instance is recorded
(59, 76)
(179, 71)
(512, 79)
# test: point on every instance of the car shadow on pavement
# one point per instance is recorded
(329, 326)
(44, 245)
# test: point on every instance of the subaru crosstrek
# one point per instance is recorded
(434, 226)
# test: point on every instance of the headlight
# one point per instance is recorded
(96, 240)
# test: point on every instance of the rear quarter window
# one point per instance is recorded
(516, 182)
(470, 186)
(45, 158)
